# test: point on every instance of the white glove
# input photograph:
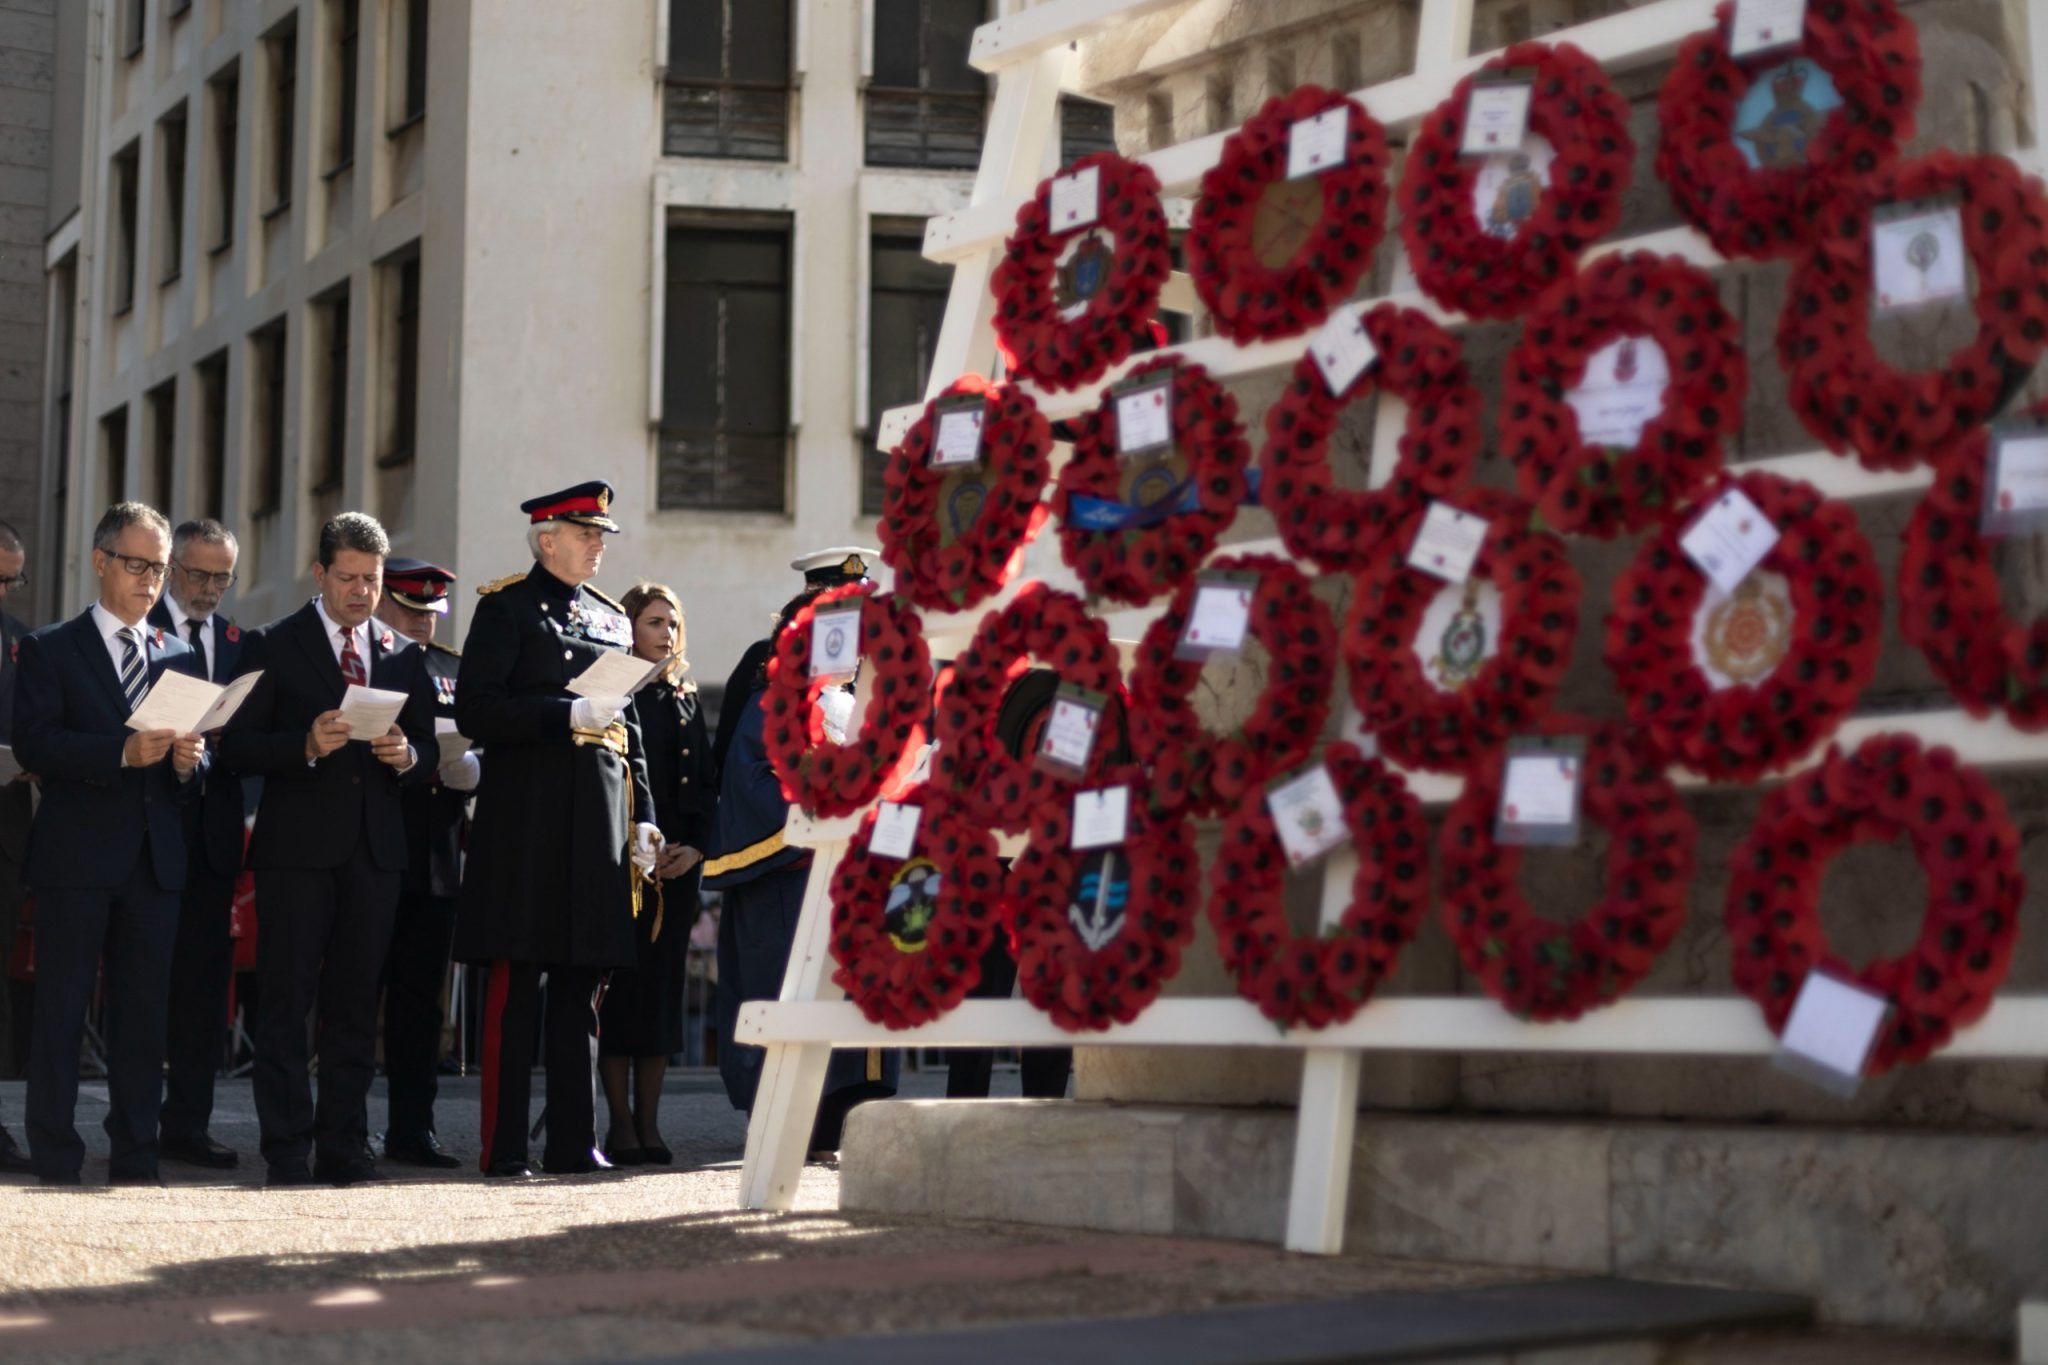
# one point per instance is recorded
(462, 773)
(595, 713)
(647, 843)
(835, 704)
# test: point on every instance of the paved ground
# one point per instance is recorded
(220, 1271)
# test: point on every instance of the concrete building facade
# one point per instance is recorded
(430, 259)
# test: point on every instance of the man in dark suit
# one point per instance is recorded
(16, 807)
(563, 833)
(106, 856)
(203, 555)
(436, 812)
(328, 850)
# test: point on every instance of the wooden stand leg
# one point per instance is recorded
(793, 1075)
(1322, 1151)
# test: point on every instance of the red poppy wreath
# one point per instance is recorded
(955, 534)
(1071, 302)
(1966, 844)
(1422, 365)
(1850, 398)
(1572, 411)
(1098, 932)
(1314, 981)
(1951, 604)
(1270, 251)
(1132, 528)
(1750, 174)
(1443, 672)
(971, 765)
(1486, 235)
(1542, 969)
(1733, 685)
(823, 777)
(909, 933)
(1207, 773)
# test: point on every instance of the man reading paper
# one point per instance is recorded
(106, 855)
(328, 850)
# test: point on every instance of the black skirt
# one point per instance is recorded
(642, 1015)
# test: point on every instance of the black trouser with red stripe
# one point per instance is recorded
(513, 1024)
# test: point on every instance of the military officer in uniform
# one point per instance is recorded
(762, 880)
(563, 833)
(416, 968)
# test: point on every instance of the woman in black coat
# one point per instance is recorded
(642, 1019)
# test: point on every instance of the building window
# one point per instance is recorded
(213, 435)
(133, 13)
(1347, 64)
(344, 17)
(728, 79)
(328, 471)
(1159, 120)
(127, 169)
(163, 442)
(1086, 127)
(225, 94)
(1222, 103)
(114, 455)
(725, 370)
(906, 305)
(1279, 72)
(284, 92)
(398, 442)
(925, 104)
(266, 475)
(171, 139)
(413, 97)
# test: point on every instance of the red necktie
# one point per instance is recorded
(352, 662)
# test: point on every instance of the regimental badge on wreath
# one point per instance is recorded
(1102, 890)
(1746, 635)
(1082, 270)
(1462, 647)
(913, 900)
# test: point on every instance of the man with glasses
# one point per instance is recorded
(203, 555)
(16, 808)
(328, 850)
(106, 855)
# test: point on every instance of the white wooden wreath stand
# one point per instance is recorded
(1030, 54)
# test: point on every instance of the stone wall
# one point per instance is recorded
(1974, 80)
(28, 39)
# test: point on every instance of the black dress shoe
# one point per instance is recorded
(145, 1178)
(588, 1163)
(200, 1151)
(63, 1178)
(658, 1156)
(423, 1149)
(625, 1156)
(283, 1176)
(13, 1161)
(508, 1170)
(344, 1171)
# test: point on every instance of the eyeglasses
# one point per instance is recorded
(19, 580)
(138, 567)
(200, 578)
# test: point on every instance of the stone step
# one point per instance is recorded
(1579, 1320)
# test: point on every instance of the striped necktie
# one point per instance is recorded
(134, 673)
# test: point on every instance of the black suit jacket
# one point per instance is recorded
(12, 633)
(70, 724)
(314, 816)
(216, 820)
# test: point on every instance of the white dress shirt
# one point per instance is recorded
(111, 627)
(333, 628)
(209, 635)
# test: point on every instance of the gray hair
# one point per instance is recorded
(120, 517)
(206, 531)
(534, 532)
(10, 539)
(357, 531)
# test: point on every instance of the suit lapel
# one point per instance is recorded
(86, 638)
(312, 636)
